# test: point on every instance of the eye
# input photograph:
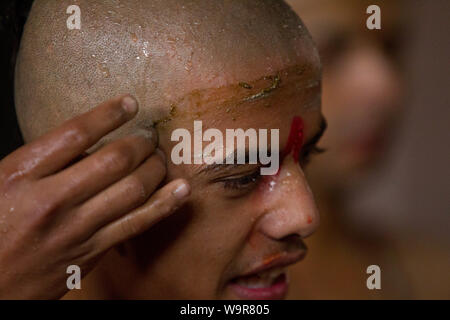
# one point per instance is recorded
(308, 152)
(241, 183)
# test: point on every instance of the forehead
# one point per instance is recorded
(290, 90)
(216, 70)
(227, 89)
(270, 102)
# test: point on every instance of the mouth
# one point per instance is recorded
(268, 281)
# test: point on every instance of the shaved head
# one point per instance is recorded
(231, 64)
(156, 50)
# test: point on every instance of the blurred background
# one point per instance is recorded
(382, 186)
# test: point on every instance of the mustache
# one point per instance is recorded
(289, 248)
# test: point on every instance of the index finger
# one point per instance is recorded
(56, 149)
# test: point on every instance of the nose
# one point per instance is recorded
(289, 206)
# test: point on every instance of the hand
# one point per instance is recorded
(59, 209)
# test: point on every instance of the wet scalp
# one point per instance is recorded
(155, 50)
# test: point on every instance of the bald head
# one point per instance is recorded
(156, 50)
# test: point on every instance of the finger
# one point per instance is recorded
(162, 204)
(122, 197)
(98, 171)
(53, 151)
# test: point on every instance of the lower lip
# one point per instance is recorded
(276, 291)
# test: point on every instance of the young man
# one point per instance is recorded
(230, 64)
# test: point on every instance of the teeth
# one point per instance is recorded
(261, 280)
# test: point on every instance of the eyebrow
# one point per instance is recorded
(222, 167)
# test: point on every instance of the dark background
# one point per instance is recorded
(13, 14)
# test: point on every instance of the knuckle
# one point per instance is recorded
(12, 172)
(43, 209)
(137, 188)
(9, 178)
(50, 205)
(119, 159)
(129, 227)
(76, 134)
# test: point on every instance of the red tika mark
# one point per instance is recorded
(295, 140)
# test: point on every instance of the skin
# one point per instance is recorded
(187, 72)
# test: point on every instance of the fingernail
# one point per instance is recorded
(129, 104)
(182, 191)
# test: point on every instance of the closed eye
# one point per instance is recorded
(310, 148)
(243, 182)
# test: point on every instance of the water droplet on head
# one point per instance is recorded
(145, 49)
(104, 69)
(188, 66)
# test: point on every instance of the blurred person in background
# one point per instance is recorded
(375, 150)
(362, 99)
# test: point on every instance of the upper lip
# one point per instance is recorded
(284, 259)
